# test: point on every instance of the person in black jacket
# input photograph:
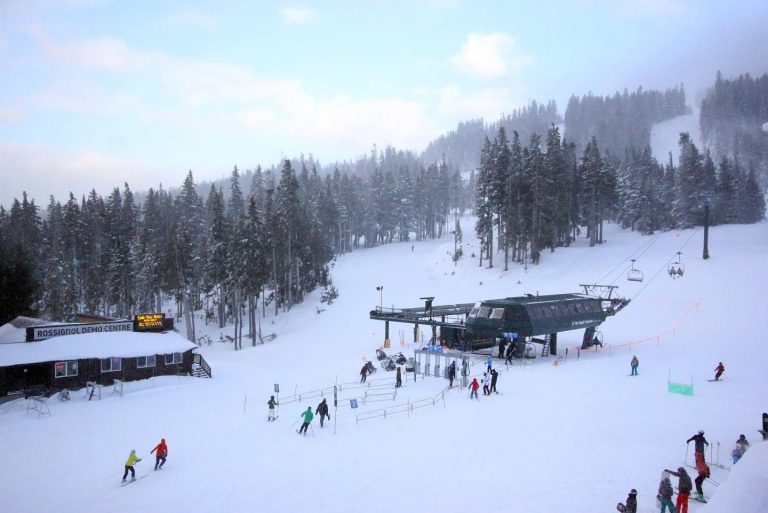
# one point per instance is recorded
(684, 487)
(699, 442)
(631, 506)
(494, 378)
(398, 379)
(322, 410)
(451, 373)
(364, 373)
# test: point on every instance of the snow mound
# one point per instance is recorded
(745, 489)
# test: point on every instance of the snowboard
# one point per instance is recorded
(129, 481)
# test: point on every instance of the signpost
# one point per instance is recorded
(149, 322)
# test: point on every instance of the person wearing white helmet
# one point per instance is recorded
(699, 442)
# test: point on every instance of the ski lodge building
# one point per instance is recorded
(69, 356)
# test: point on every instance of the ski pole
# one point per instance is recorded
(312, 429)
(686, 454)
(297, 420)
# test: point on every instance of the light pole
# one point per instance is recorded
(380, 288)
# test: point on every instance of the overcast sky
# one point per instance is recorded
(94, 93)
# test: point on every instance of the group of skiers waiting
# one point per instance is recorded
(684, 484)
(161, 453)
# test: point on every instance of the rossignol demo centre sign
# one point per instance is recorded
(36, 333)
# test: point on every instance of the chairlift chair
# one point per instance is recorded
(634, 274)
(677, 268)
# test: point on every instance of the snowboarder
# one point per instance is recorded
(322, 410)
(473, 387)
(631, 505)
(494, 378)
(307, 419)
(451, 373)
(634, 364)
(684, 487)
(162, 453)
(364, 372)
(489, 362)
(665, 494)
(699, 442)
(271, 404)
(741, 447)
(743, 442)
(719, 371)
(129, 463)
(703, 473)
(398, 379)
(486, 384)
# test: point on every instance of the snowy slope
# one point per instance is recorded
(665, 136)
(576, 436)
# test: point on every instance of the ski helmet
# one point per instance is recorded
(633, 492)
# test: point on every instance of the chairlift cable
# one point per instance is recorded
(665, 265)
(646, 244)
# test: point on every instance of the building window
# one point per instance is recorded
(145, 361)
(497, 313)
(172, 358)
(65, 369)
(111, 364)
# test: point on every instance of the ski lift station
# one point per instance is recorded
(479, 325)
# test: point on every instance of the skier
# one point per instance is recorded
(322, 410)
(473, 387)
(699, 442)
(451, 373)
(703, 473)
(719, 371)
(665, 494)
(684, 487)
(271, 404)
(501, 348)
(162, 453)
(634, 363)
(510, 352)
(494, 378)
(486, 384)
(489, 362)
(129, 463)
(742, 441)
(364, 373)
(398, 379)
(307, 419)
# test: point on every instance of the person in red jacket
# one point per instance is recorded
(719, 371)
(162, 453)
(473, 387)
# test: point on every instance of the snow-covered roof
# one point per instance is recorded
(16, 330)
(93, 345)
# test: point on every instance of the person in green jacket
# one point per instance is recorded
(132, 459)
(271, 403)
(307, 419)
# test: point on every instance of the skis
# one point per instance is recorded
(697, 499)
(272, 419)
(125, 483)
